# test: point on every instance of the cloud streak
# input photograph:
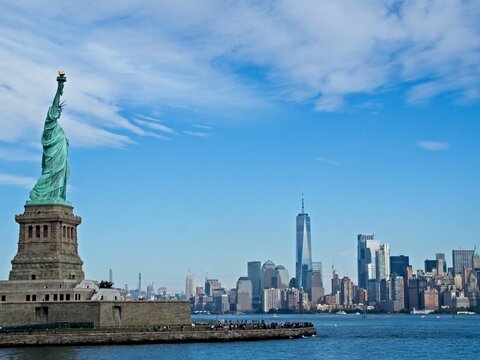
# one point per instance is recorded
(433, 145)
(15, 180)
(327, 161)
(219, 58)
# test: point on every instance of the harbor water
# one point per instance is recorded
(339, 337)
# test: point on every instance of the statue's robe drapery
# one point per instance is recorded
(52, 185)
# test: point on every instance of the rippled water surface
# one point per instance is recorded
(339, 337)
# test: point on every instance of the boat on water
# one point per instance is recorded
(341, 312)
(420, 312)
(465, 313)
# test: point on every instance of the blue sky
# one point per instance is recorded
(195, 126)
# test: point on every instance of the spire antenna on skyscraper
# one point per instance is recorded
(303, 204)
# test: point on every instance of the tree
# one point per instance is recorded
(105, 284)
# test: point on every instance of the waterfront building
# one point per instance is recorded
(414, 294)
(346, 293)
(366, 248)
(372, 290)
(360, 296)
(399, 265)
(332, 299)
(303, 300)
(290, 299)
(282, 277)
(462, 258)
(430, 299)
(255, 276)
(398, 293)
(303, 247)
(471, 286)
(448, 297)
(221, 303)
(462, 302)
(272, 299)
(244, 294)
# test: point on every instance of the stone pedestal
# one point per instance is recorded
(47, 244)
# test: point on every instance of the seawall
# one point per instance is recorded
(86, 337)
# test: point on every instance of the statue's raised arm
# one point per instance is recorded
(51, 187)
(61, 81)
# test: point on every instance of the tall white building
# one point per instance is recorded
(189, 286)
(382, 261)
(272, 299)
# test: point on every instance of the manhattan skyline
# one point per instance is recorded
(195, 128)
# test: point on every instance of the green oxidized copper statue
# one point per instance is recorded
(51, 188)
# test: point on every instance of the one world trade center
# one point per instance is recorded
(304, 248)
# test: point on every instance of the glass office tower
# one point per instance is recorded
(304, 248)
(255, 276)
(366, 248)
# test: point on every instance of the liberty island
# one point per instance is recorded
(47, 288)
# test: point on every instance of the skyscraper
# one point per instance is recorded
(315, 282)
(382, 272)
(462, 258)
(336, 281)
(244, 294)
(430, 265)
(282, 277)
(366, 248)
(139, 283)
(189, 286)
(268, 275)
(255, 276)
(399, 264)
(382, 262)
(441, 256)
(346, 294)
(304, 248)
(211, 285)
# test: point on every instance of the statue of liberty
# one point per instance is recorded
(51, 188)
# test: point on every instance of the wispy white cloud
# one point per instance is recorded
(15, 180)
(327, 161)
(196, 133)
(204, 127)
(18, 155)
(433, 145)
(194, 56)
(156, 126)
